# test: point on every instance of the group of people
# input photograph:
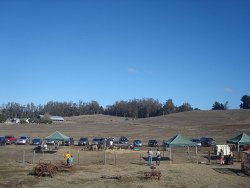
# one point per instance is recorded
(226, 159)
(151, 155)
(69, 158)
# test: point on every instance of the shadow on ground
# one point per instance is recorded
(154, 158)
(230, 171)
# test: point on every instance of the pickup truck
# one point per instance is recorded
(10, 139)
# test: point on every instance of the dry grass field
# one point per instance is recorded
(88, 165)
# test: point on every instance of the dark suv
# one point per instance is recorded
(137, 143)
(123, 140)
(69, 142)
(152, 143)
(98, 141)
(207, 142)
(83, 141)
(36, 141)
(2, 140)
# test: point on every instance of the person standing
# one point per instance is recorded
(221, 154)
(150, 157)
(71, 160)
(67, 157)
(158, 157)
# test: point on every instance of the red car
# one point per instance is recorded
(10, 139)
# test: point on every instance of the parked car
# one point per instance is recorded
(2, 140)
(69, 142)
(50, 142)
(36, 141)
(83, 141)
(137, 143)
(10, 139)
(197, 141)
(23, 140)
(207, 142)
(152, 143)
(98, 141)
(122, 145)
(123, 140)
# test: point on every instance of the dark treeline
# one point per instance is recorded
(142, 108)
(15, 110)
(136, 108)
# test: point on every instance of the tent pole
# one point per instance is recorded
(69, 147)
(196, 153)
(170, 155)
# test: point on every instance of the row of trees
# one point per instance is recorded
(16, 110)
(244, 105)
(136, 108)
(142, 108)
(220, 106)
(73, 109)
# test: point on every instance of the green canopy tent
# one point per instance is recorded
(57, 136)
(179, 141)
(241, 139)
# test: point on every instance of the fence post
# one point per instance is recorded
(34, 156)
(209, 156)
(104, 162)
(78, 157)
(23, 156)
(115, 158)
(241, 156)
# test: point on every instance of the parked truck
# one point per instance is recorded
(225, 148)
(10, 139)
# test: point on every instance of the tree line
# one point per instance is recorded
(244, 105)
(143, 108)
(16, 110)
(135, 108)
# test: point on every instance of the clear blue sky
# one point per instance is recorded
(187, 50)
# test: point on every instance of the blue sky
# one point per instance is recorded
(190, 51)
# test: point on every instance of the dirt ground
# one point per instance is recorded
(130, 165)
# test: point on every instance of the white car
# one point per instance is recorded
(23, 140)
(50, 142)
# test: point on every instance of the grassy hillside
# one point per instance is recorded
(218, 124)
(198, 118)
(221, 125)
(192, 118)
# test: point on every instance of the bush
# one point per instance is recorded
(23, 121)
(46, 121)
(2, 118)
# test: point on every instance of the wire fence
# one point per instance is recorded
(108, 157)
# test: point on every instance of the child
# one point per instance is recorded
(71, 160)
(67, 157)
